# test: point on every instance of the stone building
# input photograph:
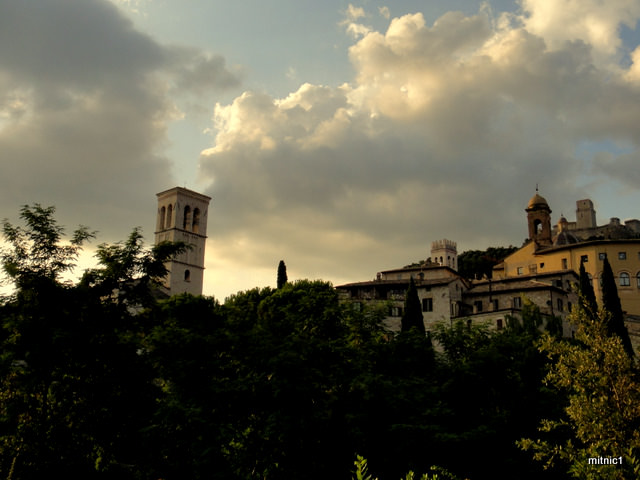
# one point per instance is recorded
(182, 217)
(446, 296)
(440, 290)
(564, 247)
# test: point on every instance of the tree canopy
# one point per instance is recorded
(102, 378)
(477, 264)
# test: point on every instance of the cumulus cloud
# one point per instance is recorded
(593, 22)
(84, 108)
(444, 131)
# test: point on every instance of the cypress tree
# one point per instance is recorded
(611, 303)
(412, 315)
(282, 274)
(588, 296)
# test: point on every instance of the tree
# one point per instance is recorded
(611, 303)
(588, 297)
(75, 390)
(129, 273)
(36, 251)
(479, 263)
(602, 414)
(412, 315)
(282, 274)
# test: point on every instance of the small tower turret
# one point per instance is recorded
(445, 252)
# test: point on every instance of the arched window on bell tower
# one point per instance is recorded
(196, 220)
(186, 222)
(161, 219)
(169, 215)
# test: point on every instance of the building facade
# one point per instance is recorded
(567, 244)
(182, 217)
(446, 296)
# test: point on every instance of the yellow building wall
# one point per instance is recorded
(525, 261)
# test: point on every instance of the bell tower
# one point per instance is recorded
(182, 217)
(539, 220)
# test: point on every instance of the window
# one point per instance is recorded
(638, 279)
(533, 268)
(427, 305)
(542, 265)
(517, 302)
(494, 304)
(499, 324)
(169, 213)
(519, 270)
(396, 311)
(357, 306)
(584, 258)
(162, 214)
(590, 279)
(625, 280)
(560, 304)
(537, 226)
(186, 222)
(564, 263)
(187, 276)
(602, 256)
(622, 255)
(477, 305)
(196, 220)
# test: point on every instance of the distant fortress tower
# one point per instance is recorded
(182, 217)
(585, 214)
(445, 252)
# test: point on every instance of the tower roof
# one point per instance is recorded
(537, 201)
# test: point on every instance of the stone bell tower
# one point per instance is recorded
(182, 217)
(539, 220)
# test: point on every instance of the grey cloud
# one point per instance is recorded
(197, 72)
(456, 153)
(622, 168)
(72, 43)
(85, 109)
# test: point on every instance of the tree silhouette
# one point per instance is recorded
(588, 297)
(412, 316)
(282, 274)
(611, 303)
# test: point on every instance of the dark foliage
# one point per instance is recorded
(588, 296)
(611, 303)
(412, 315)
(100, 380)
(282, 274)
(477, 264)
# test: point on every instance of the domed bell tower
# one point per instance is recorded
(539, 220)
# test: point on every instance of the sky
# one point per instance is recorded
(341, 137)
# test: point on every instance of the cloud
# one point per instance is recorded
(352, 14)
(196, 72)
(444, 132)
(84, 111)
(593, 22)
